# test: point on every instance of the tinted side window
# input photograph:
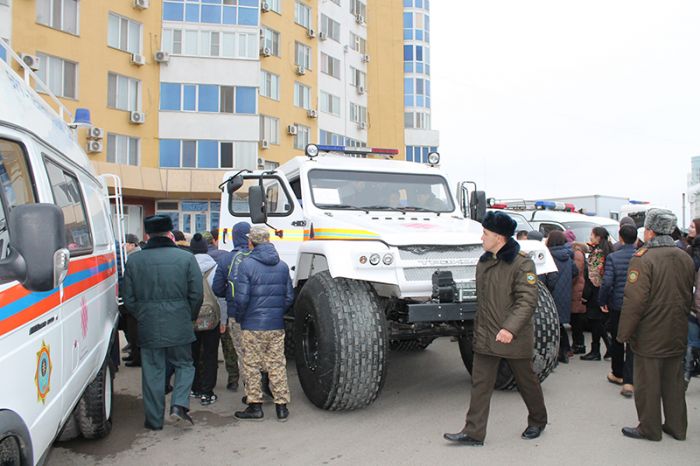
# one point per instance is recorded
(67, 196)
(16, 184)
(4, 232)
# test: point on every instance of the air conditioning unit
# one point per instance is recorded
(365, 58)
(137, 118)
(310, 33)
(264, 6)
(292, 129)
(312, 113)
(161, 56)
(361, 90)
(264, 144)
(301, 70)
(362, 125)
(137, 59)
(94, 147)
(261, 163)
(266, 51)
(359, 19)
(94, 132)
(141, 4)
(32, 61)
(322, 36)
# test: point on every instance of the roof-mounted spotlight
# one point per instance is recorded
(434, 158)
(311, 151)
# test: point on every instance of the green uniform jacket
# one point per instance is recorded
(506, 291)
(658, 299)
(163, 291)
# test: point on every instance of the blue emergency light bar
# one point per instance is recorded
(639, 202)
(545, 204)
(312, 150)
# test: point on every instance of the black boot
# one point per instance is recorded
(579, 349)
(563, 357)
(282, 412)
(253, 412)
(592, 356)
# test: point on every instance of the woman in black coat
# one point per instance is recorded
(560, 285)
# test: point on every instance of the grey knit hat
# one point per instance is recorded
(660, 221)
(627, 221)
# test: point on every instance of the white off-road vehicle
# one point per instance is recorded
(382, 255)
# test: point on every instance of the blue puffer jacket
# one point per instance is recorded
(612, 290)
(560, 283)
(263, 290)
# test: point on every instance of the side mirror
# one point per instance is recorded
(477, 205)
(38, 258)
(234, 184)
(256, 204)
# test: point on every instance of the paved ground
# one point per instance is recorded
(426, 394)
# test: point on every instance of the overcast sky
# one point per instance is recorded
(550, 98)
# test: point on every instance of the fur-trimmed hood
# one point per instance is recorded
(507, 253)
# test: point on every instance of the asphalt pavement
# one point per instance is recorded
(425, 395)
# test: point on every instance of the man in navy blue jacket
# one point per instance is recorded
(263, 294)
(611, 295)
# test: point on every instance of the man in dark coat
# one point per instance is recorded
(263, 294)
(506, 284)
(612, 292)
(163, 291)
(654, 319)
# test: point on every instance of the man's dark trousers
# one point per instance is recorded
(153, 363)
(621, 354)
(660, 380)
(484, 373)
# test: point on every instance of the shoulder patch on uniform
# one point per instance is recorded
(641, 252)
(633, 276)
(531, 278)
(524, 254)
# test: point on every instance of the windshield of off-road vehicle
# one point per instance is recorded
(356, 190)
(583, 230)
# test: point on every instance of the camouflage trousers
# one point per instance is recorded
(233, 351)
(263, 350)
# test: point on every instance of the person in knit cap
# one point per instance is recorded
(506, 284)
(654, 320)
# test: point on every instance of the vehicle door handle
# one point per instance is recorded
(299, 223)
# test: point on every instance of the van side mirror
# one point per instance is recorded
(234, 184)
(256, 204)
(38, 256)
(477, 205)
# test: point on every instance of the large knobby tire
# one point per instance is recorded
(94, 410)
(546, 343)
(340, 342)
(70, 430)
(418, 344)
(289, 338)
(10, 452)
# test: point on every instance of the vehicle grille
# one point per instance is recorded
(410, 253)
(459, 273)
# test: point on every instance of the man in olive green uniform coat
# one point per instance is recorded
(506, 284)
(163, 290)
(654, 319)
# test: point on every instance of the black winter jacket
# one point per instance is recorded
(612, 290)
(560, 283)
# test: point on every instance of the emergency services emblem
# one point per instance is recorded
(531, 278)
(633, 276)
(42, 378)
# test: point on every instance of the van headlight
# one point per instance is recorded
(388, 259)
(374, 259)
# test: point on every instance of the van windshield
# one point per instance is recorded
(583, 230)
(358, 190)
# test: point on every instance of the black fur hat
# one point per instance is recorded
(198, 245)
(500, 223)
(157, 224)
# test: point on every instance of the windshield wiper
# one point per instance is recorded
(419, 209)
(385, 207)
(344, 207)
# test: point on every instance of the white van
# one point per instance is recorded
(58, 278)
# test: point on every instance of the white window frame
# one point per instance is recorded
(130, 88)
(358, 77)
(358, 8)
(129, 23)
(330, 104)
(330, 27)
(269, 85)
(44, 74)
(275, 5)
(56, 23)
(122, 155)
(329, 64)
(270, 38)
(358, 113)
(358, 43)
(302, 14)
(302, 138)
(302, 96)
(302, 55)
(270, 129)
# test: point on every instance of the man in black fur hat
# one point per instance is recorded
(163, 290)
(506, 287)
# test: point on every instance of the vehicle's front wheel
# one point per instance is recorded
(10, 452)
(340, 341)
(94, 411)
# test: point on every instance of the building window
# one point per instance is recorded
(123, 93)
(302, 138)
(302, 55)
(358, 8)
(330, 65)
(302, 96)
(330, 28)
(358, 113)
(207, 98)
(61, 76)
(207, 154)
(269, 85)
(122, 149)
(330, 103)
(358, 44)
(63, 15)
(327, 137)
(270, 129)
(243, 12)
(210, 43)
(274, 5)
(358, 78)
(302, 15)
(124, 34)
(270, 40)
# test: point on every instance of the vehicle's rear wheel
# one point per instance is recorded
(340, 338)
(10, 452)
(94, 411)
(546, 343)
(70, 430)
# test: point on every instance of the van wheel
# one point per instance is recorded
(10, 453)
(94, 412)
(340, 342)
(546, 351)
(71, 429)
(288, 339)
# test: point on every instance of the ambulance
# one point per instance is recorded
(58, 276)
